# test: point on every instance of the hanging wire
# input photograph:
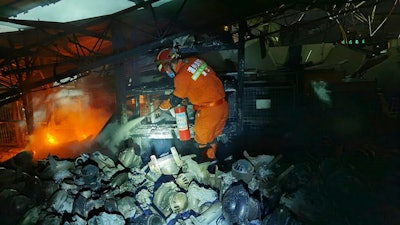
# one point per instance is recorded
(342, 30)
(371, 19)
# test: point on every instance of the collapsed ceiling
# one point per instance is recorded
(50, 52)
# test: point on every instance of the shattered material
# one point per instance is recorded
(171, 189)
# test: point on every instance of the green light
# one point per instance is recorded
(356, 42)
(363, 41)
(350, 42)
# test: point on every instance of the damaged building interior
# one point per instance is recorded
(311, 138)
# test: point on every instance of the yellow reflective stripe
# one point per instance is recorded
(200, 70)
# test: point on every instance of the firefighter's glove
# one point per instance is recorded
(165, 105)
(185, 102)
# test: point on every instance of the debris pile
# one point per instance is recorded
(94, 189)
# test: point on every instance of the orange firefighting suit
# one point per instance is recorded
(198, 82)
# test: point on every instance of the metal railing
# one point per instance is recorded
(12, 125)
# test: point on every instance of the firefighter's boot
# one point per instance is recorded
(209, 153)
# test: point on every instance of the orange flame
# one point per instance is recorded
(69, 132)
(51, 140)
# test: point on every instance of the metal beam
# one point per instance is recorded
(141, 50)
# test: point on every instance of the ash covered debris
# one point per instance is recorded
(94, 189)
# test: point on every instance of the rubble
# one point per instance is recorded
(93, 189)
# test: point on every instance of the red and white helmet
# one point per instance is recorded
(165, 56)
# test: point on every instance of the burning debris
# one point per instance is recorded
(67, 119)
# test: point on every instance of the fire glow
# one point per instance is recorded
(51, 140)
(70, 126)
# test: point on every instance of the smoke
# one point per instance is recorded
(323, 94)
(114, 133)
(67, 120)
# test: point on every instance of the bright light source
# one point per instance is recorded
(72, 10)
(226, 28)
(51, 139)
(10, 27)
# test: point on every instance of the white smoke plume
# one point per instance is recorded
(323, 94)
(114, 133)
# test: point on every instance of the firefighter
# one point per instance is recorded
(196, 81)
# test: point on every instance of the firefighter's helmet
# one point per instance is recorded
(165, 56)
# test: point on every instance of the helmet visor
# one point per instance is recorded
(160, 67)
